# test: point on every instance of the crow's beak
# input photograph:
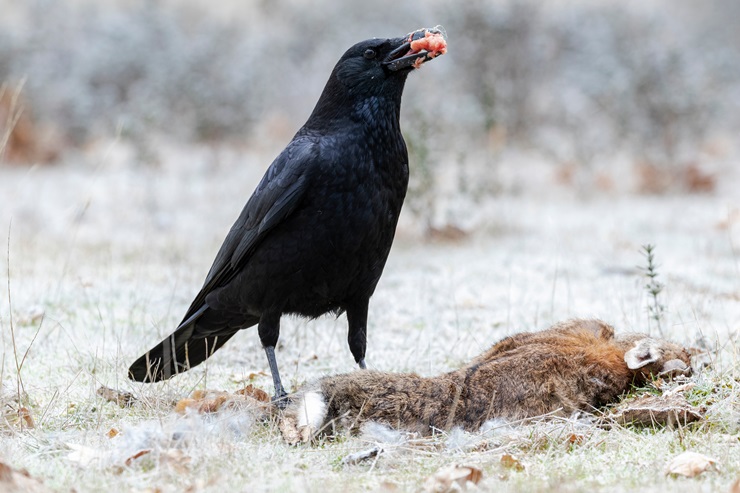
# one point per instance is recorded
(416, 48)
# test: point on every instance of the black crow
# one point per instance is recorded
(315, 234)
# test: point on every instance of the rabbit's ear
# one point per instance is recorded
(646, 351)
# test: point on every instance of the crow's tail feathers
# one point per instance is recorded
(169, 357)
(184, 349)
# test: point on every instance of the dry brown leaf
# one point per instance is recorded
(735, 487)
(6, 473)
(17, 417)
(29, 140)
(112, 433)
(186, 403)
(511, 462)
(668, 409)
(19, 481)
(204, 401)
(123, 399)
(25, 416)
(137, 455)
(690, 464)
(213, 401)
(254, 375)
(255, 393)
(452, 478)
(575, 439)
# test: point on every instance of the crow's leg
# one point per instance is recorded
(269, 331)
(357, 333)
(280, 393)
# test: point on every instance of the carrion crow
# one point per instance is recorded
(315, 234)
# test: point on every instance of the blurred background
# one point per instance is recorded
(584, 97)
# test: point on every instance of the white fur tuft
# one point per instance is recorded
(312, 410)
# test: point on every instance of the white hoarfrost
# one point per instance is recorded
(103, 260)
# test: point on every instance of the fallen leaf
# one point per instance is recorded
(511, 462)
(251, 377)
(690, 464)
(200, 394)
(112, 433)
(735, 487)
(204, 401)
(25, 417)
(668, 409)
(123, 399)
(452, 478)
(137, 455)
(212, 401)
(17, 417)
(575, 439)
(184, 404)
(255, 393)
(19, 481)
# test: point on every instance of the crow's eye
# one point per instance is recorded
(369, 54)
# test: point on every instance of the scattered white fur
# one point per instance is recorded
(312, 410)
(379, 433)
(194, 434)
(496, 426)
(458, 439)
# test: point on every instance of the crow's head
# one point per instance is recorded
(368, 64)
(376, 70)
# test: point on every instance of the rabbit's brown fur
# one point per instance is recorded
(574, 366)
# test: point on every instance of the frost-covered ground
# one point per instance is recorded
(102, 259)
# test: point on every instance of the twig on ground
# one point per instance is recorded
(362, 455)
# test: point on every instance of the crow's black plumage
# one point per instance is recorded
(315, 234)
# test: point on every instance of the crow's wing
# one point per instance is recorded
(276, 197)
